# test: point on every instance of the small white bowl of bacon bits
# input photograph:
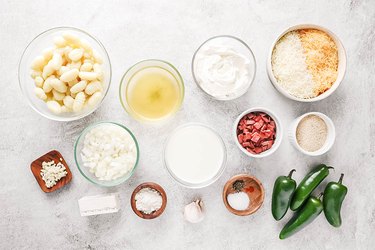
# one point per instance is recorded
(306, 63)
(257, 132)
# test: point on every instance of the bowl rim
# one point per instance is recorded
(57, 118)
(279, 132)
(208, 182)
(123, 85)
(251, 58)
(342, 60)
(84, 132)
(328, 142)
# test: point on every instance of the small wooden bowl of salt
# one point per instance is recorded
(148, 200)
(243, 194)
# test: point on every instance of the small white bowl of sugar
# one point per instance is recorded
(312, 133)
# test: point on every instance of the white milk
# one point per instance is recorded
(194, 154)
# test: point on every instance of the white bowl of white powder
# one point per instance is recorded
(312, 133)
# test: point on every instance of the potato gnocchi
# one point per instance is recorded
(68, 76)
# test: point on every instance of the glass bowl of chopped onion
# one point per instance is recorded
(51, 54)
(106, 153)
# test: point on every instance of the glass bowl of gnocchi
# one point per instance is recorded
(64, 73)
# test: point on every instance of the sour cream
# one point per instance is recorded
(222, 71)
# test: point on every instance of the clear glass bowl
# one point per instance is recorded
(132, 71)
(201, 184)
(35, 48)
(85, 171)
(240, 47)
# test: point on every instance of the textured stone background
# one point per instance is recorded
(172, 30)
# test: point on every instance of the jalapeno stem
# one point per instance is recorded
(291, 172)
(341, 177)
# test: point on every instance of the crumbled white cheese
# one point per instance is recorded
(51, 173)
(109, 152)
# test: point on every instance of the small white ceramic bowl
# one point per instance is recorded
(331, 134)
(341, 66)
(279, 132)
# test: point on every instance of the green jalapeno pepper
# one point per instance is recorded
(309, 212)
(334, 195)
(308, 184)
(283, 190)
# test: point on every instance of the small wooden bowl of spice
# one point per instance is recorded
(243, 194)
(148, 200)
(51, 171)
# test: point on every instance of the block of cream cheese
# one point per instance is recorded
(99, 204)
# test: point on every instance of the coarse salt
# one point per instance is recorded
(239, 201)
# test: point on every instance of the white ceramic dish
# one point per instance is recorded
(341, 66)
(331, 134)
(279, 132)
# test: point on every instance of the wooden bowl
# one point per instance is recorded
(252, 187)
(36, 167)
(156, 213)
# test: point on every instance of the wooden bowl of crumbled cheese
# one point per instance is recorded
(306, 63)
(312, 133)
(148, 200)
(51, 171)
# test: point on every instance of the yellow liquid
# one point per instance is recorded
(153, 93)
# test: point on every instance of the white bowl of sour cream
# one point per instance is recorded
(224, 67)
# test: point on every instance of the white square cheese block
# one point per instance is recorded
(99, 204)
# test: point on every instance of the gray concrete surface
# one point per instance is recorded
(172, 30)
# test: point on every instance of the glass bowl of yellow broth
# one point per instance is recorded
(152, 90)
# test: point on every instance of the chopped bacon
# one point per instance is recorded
(255, 137)
(256, 132)
(250, 122)
(240, 138)
(251, 151)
